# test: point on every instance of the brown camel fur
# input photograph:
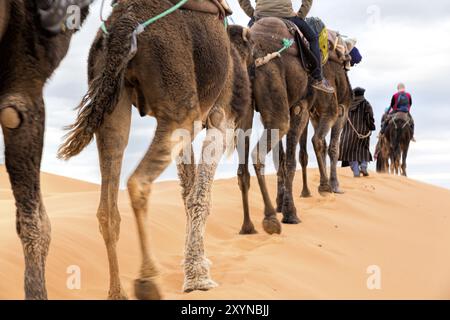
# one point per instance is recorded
(278, 88)
(398, 135)
(327, 112)
(28, 57)
(181, 74)
(382, 152)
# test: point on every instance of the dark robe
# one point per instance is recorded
(353, 147)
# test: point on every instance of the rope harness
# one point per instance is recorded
(395, 122)
(287, 43)
(142, 26)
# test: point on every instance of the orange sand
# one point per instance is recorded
(400, 225)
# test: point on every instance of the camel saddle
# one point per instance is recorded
(340, 48)
(274, 30)
(219, 7)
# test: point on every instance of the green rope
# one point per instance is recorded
(163, 14)
(287, 43)
(150, 21)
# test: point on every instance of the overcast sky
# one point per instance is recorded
(401, 41)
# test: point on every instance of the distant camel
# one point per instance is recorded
(28, 57)
(398, 135)
(279, 87)
(182, 73)
(326, 112)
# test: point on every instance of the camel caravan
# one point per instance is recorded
(181, 63)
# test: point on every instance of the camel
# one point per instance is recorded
(398, 135)
(182, 73)
(326, 112)
(278, 89)
(28, 57)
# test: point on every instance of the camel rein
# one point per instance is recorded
(395, 123)
(360, 136)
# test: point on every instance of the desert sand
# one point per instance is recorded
(400, 225)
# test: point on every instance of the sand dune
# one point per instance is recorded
(400, 225)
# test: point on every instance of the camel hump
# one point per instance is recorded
(269, 34)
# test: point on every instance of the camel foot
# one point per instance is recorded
(118, 295)
(199, 284)
(290, 214)
(290, 219)
(324, 189)
(248, 229)
(146, 289)
(336, 189)
(271, 225)
(306, 193)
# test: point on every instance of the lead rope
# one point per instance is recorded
(360, 136)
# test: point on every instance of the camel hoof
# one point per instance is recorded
(121, 295)
(146, 289)
(291, 219)
(325, 189)
(306, 194)
(272, 225)
(248, 229)
(338, 190)
(201, 285)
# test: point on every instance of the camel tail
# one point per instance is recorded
(104, 91)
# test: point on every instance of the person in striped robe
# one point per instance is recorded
(355, 139)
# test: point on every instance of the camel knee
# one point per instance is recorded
(11, 110)
(243, 178)
(317, 143)
(109, 223)
(10, 118)
(139, 192)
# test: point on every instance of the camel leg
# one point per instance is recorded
(333, 152)
(270, 223)
(321, 130)
(187, 171)
(244, 174)
(303, 156)
(196, 265)
(297, 126)
(281, 173)
(23, 152)
(404, 156)
(112, 139)
(156, 160)
(392, 162)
